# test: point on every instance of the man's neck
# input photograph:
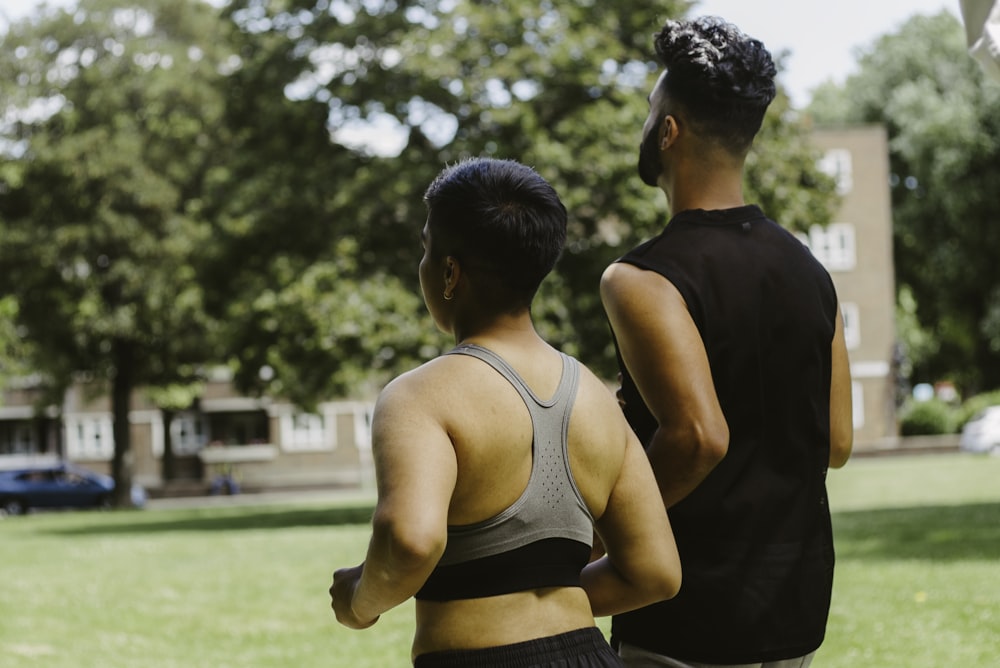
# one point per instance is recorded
(706, 190)
(701, 179)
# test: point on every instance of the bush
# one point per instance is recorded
(924, 418)
(973, 405)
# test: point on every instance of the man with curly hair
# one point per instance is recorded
(734, 374)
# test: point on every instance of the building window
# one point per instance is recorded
(363, 417)
(238, 428)
(89, 437)
(303, 431)
(833, 245)
(837, 163)
(858, 404)
(188, 433)
(852, 324)
(17, 437)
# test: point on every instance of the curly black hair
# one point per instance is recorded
(722, 77)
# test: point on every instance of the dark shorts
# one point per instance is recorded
(583, 648)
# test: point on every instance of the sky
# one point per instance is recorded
(821, 36)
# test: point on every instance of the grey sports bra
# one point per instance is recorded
(544, 538)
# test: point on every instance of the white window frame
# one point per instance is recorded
(834, 246)
(852, 324)
(90, 436)
(188, 433)
(23, 438)
(304, 432)
(858, 404)
(363, 415)
(837, 163)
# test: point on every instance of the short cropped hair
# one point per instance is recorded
(723, 78)
(502, 221)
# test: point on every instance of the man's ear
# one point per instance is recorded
(669, 129)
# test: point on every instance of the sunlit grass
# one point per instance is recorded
(918, 580)
(918, 563)
(227, 587)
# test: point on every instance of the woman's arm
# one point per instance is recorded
(641, 565)
(415, 468)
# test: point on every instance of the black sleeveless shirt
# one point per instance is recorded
(754, 538)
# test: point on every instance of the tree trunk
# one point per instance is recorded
(168, 468)
(121, 400)
(41, 425)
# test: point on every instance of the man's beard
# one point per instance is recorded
(649, 156)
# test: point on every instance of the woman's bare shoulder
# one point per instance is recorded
(598, 414)
(430, 383)
(599, 395)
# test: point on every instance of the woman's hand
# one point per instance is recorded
(345, 583)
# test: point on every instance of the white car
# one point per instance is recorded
(982, 432)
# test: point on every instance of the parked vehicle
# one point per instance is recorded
(982, 432)
(57, 486)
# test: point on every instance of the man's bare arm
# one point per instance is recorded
(666, 357)
(841, 410)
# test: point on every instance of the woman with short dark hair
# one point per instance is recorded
(497, 461)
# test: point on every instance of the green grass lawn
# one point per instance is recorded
(918, 580)
(918, 563)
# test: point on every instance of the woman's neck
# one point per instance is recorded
(507, 330)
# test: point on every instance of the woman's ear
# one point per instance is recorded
(452, 272)
(669, 130)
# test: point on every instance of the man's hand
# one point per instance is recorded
(345, 582)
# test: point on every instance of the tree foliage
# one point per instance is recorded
(182, 185)
(113, 116)
(13, 346)
(944, 139)
(405, 87)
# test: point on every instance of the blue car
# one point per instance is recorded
(57, 486)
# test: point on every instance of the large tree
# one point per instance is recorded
(944, 139)
(113, 115)
(270, 168)
(309, 309)
(402, 88)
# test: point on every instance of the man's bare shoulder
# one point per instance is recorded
(629, 292)
(624, 281)
(622, 273)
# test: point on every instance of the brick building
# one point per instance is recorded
(856, 248)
